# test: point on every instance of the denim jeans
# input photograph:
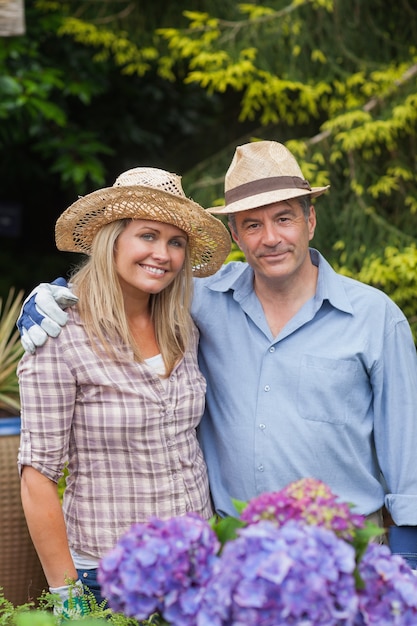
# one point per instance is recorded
(89, 578)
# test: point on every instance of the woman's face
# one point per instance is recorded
(148, 256)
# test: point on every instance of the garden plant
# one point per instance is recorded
(294, 557)
(10, 353)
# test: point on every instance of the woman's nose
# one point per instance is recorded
(160, 250)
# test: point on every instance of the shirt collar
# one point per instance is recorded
(330, 284)
(238, 277)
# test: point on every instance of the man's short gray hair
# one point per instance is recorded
(305, 203)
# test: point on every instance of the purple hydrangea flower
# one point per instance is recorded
(389, 597)
(308, 500)
(297, 574)
(160, 567)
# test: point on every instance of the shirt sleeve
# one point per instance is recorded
(47, 394)
(395, 429)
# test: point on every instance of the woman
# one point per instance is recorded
(117, 397)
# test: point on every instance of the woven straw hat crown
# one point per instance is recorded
(261, 173)
(151, 194)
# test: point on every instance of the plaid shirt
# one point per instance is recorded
(130, 443)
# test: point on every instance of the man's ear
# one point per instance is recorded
(233, 232)
(312, 222)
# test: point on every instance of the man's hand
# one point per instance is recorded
(42, 313)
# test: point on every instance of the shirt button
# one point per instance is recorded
(170, 443)
(262, 426)
(272, 349)
(260, 468)
(267, 388)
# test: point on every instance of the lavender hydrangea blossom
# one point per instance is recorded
(297, 574)
(389, 597)
(295, 561)
(308, 500)
(160, 567)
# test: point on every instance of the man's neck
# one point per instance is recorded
(282, 298)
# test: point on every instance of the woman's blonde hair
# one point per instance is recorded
(101, 304)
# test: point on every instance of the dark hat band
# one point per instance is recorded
(263, 185)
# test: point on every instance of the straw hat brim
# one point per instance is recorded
(263, 199)
(209, 240)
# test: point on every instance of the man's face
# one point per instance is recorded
(275, 238)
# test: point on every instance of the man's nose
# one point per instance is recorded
(271, 234)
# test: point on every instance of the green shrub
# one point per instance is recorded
(395, 273)
(28, 615)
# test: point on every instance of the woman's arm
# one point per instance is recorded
(46, 525)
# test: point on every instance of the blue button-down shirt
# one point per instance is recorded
(333, 396)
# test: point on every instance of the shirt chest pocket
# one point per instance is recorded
(326, 388)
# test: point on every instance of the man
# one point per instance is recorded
(309, 373)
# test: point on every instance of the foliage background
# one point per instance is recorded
(94, 88)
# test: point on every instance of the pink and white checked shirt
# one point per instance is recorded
(130, 444)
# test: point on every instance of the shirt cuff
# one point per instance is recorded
(402, 508)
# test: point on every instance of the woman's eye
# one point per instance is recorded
(178, 243)
(148, 236)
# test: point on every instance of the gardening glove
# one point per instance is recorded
(403, 541)
(71, 601)
(42, 316)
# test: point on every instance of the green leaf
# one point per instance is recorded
(36, 618)
(363, 536)
(240, 505)
(226, 527)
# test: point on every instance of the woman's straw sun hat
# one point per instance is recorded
(151, 194)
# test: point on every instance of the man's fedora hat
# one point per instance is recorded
(151, 194)
(261, 173)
